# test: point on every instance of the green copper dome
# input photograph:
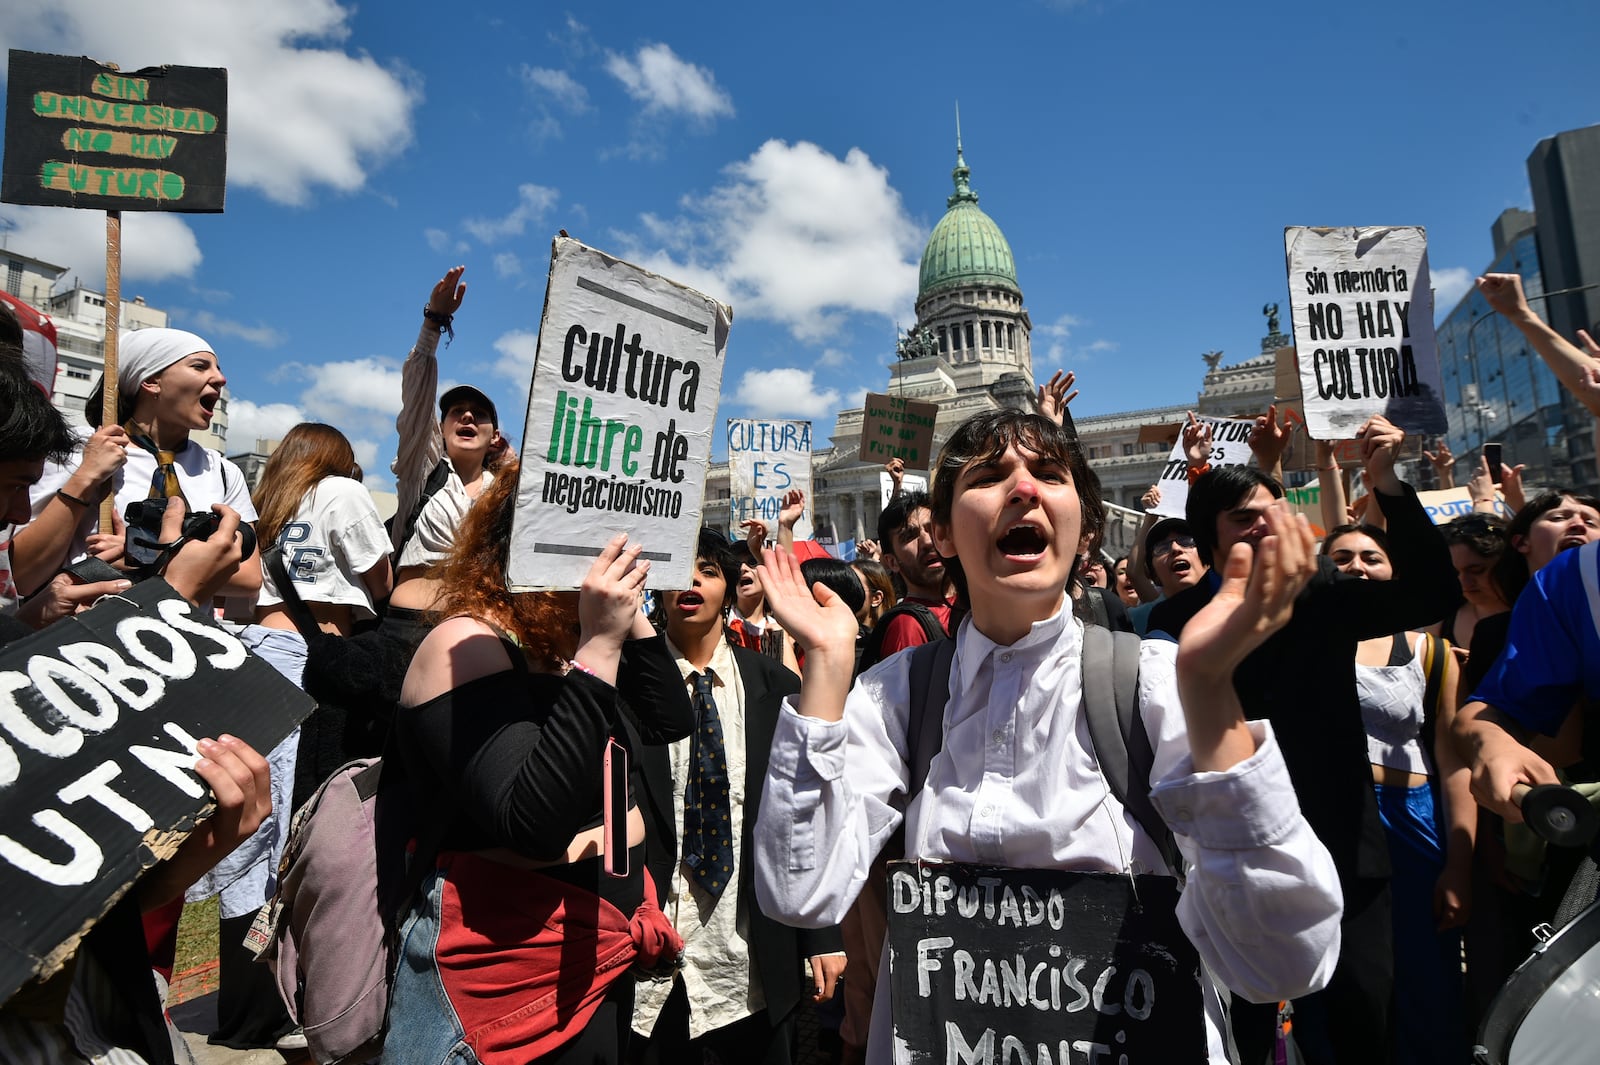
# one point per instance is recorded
(966, 247)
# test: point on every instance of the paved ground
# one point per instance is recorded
(197, 1019)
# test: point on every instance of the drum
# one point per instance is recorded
(1548, 1012)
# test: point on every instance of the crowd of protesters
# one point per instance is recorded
(1335, 735)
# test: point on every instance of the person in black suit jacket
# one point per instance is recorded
(742, 976)
(1302, 679)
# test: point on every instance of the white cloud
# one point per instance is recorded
(1061, 328)
(558, 86)
(437, 239)
(517, 349)
(833, 358)
(1449, 285)
(302, 112)
(155, 246)
(797, 236)
(785, 392)
(533, 202)
(1059, 352)
(210, 325)
(249, 422)
(657, 78)
(506, 264)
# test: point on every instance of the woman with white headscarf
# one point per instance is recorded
(168, 386)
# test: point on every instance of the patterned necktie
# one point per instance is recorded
(164, 482)
(707, 828)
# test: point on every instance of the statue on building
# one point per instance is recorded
(916, 343)
(1271, 311)
(1212, 358)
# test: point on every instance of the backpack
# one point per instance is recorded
(872, 647)
(438, 477)
(331, 932)
(1111, 703)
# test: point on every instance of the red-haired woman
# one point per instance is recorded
(519, 945)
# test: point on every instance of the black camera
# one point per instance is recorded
(142, 545)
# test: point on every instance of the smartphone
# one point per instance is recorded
(1491, 453)
(615, 802)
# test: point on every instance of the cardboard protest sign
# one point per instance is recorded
(1230, 446)
(909, 482)
(99, 717)
(765, 460)
(81, 134)
(1445, 505)
(1363, 328)
(620, 414)
(894, 427)
(996, 965)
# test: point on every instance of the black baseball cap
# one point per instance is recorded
(469, 394)
(1158, 532)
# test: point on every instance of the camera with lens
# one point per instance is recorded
(142, 545)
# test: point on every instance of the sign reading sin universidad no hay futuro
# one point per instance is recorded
(82, 134)
(99, 717)
(894, 427)
(620, 414)
(1363, 328)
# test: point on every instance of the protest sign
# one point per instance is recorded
(909, 482)
(765, 460)
(81, 134)
(620, 415)
(1230, 446)
(894, 427)
(99, 717)
(1363, 328)
(999, 965)
(1445, 505)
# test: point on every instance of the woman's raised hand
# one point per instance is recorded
(813, 615)
(609, 596)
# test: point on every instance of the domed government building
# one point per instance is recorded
(971, 351)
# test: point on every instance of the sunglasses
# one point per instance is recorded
(1165, 547)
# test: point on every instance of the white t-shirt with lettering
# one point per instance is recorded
(334, 538)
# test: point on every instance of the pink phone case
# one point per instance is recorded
(615, 802)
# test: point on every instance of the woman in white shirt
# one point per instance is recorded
(169, 384)
(1016, 782)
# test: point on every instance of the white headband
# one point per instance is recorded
(143, 353)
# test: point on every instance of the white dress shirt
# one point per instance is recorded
(722, 985)
(1016, 784)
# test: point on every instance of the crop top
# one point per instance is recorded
(1392, 711)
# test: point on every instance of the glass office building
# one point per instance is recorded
(1497, 388)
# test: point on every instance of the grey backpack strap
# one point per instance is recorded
(1116, 728)
(930, 690)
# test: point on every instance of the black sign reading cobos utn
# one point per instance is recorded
(99, 717)
(992, 966)
(80, 134)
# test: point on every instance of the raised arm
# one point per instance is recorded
(1055, 394)
(1330, 487)
(421, 440)
(1268, 441)
(1148, 592)
(1579, 372)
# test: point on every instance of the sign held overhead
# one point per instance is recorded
(83, 134)
(1363, 328)
(620, 414)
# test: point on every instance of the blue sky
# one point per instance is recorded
(1141, 157)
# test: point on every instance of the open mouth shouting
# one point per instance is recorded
(208, 404)
(689, 602)
(1023, 542)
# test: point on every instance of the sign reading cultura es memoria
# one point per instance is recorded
(82, 134)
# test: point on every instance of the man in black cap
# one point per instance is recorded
(442, 465)
(1171, 561)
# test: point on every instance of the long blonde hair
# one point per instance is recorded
(309, 452)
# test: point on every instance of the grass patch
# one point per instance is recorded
(197, 934)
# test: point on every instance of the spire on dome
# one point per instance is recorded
(961, 173)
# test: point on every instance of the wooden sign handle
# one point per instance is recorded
(108, 405)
